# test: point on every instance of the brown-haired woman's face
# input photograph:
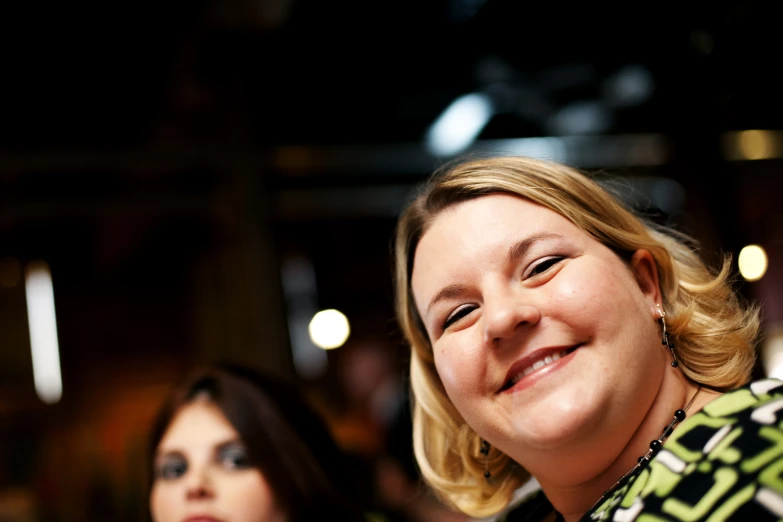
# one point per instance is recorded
(203, 474)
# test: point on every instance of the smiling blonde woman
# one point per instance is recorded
(558, 336)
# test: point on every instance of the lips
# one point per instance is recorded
(202, 518)
(533, 362)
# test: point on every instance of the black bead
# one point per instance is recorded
(655, 445)
(667, 432)
(641, 459)
(679, 415)
(487, 474)
(675, 364)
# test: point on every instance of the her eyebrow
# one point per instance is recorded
(447, 292)
(169, 453)
(521, 247)
(228, 444)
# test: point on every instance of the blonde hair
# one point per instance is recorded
(714, 332)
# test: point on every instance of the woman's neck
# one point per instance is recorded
(574, 500)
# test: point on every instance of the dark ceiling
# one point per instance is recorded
(141, 141)
(279, 72)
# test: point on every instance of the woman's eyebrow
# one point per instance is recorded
(521, 247)
(447, 292)
(229, 443)
(168, 453)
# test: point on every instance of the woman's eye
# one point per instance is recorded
(172, 469)
(457, 315)
(544, 265)
(234, 458)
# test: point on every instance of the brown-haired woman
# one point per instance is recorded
(234, 445)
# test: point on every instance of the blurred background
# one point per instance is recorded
(188, 181)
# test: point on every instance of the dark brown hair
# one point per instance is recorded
(285, 438)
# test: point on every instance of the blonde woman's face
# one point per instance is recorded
(543, 338)
(202, 472)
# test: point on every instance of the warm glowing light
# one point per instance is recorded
(329, 329)
(43, 332)
(756, 144)
(752, 262)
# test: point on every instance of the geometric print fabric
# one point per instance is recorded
(724, 463)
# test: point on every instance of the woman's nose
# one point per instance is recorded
(505, 314)
(199, 485)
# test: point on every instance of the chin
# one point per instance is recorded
(559, 423)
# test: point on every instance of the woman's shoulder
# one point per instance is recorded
(750, 407)
(723, 462)
(746, 399)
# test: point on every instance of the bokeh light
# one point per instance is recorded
(43, 332)
(329, 329)
(752, 262)
(756, 144)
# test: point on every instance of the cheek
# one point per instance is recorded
(461, 369)
(249, 498)
(164, 502)
(447, 372)
(600, 296)
(609, 307)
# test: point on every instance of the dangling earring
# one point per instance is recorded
(665, 339)
(484, 450)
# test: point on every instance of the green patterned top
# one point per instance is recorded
(723, 463)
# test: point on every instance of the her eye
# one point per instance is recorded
(172, 468)
(456, 316)
(234, 457)
(544, 265)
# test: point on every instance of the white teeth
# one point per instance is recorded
(549, 359)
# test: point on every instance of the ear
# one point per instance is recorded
(646, 272)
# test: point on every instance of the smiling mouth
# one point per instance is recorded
(537, 364)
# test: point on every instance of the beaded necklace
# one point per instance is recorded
(655, 447)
